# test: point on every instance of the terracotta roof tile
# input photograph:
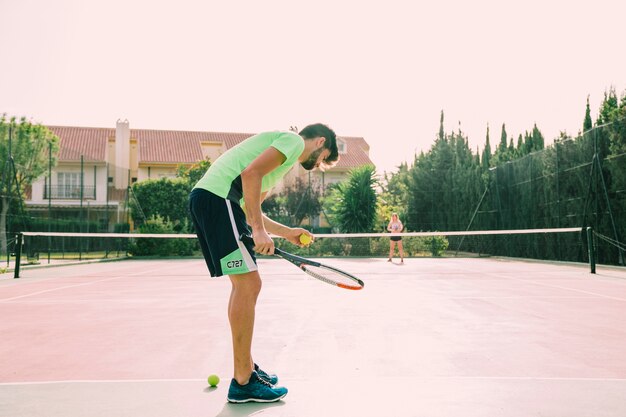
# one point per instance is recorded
(90, 142)
(173, 146)
(168, 146)
(357, 154)
(229, 139)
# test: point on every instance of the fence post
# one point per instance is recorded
(591, 250)
(18, 254)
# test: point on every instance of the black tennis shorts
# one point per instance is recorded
(219, 223)
(396, 238)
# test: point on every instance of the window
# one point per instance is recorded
(68, 184)
(342, 147)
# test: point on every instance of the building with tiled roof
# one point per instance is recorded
(96, 165)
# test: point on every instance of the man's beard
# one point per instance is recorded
(310, 162)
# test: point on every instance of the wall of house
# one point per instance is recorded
(317, 178)
(212, 150)
(122, 153)
(91, 177)
(134, 160)
(155, 172)
(333, 177)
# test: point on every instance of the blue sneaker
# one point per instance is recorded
(271, 378)
(256, 390)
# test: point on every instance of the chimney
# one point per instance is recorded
(122, 153)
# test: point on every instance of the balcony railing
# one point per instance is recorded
(70, 193)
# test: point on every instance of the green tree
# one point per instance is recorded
(30, 145)
(502, 153)
(357, 205)
(161, 246)
(616, 166)
(608, 106)
(274, 206)
(587, 123)
(502, 147)
(302, 201)
(331, 202)
(538, 139)
(394, 196)
(441, 134)
(164, 197)
(194, 172)
(606, 116)
(486, 158)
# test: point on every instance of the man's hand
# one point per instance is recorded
(293, 235)
(263, 243)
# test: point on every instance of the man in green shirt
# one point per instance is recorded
(239, 178)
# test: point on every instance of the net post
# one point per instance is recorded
(591, 250)
(19, 240)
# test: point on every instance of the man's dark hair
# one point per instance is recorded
(321, 130)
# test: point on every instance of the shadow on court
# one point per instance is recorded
(248, 409)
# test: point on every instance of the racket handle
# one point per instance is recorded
(246, 239)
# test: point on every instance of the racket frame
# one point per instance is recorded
(302, 263)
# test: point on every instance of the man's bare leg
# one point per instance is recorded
(241, 308)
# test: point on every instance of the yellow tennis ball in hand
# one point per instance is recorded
(214, 380)
(305, 239)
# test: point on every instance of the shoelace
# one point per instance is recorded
(261, 372)
(264, 381)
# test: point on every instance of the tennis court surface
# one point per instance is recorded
(433, 337)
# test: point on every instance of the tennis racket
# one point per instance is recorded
(324, 273)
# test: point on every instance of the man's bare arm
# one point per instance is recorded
(251, 180)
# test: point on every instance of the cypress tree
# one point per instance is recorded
(441, 132)
(608, 106)
(503, 143)
(486, 159)
(538, 141)
(587, 123)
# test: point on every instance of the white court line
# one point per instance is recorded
(33, 280)
(536, 282)
(79, 285)
(420, 297)
(520, 297)
(444, 378)
(557, 286)
(30, 280)
(104, 381)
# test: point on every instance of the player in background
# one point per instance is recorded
(395, 226)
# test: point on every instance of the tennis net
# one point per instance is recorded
(556, 243)
(566, 244)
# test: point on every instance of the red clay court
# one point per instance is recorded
(435, 337)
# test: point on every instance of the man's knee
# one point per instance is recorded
(249, 282)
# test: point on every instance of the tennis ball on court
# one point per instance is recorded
(214, 380)
(305, 239)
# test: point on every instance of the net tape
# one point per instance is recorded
(324, 235)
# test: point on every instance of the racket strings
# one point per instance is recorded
(314, 273)
(330, 277)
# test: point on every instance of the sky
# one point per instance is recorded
(382, 70)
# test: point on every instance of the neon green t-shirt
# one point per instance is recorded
(223, 178)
